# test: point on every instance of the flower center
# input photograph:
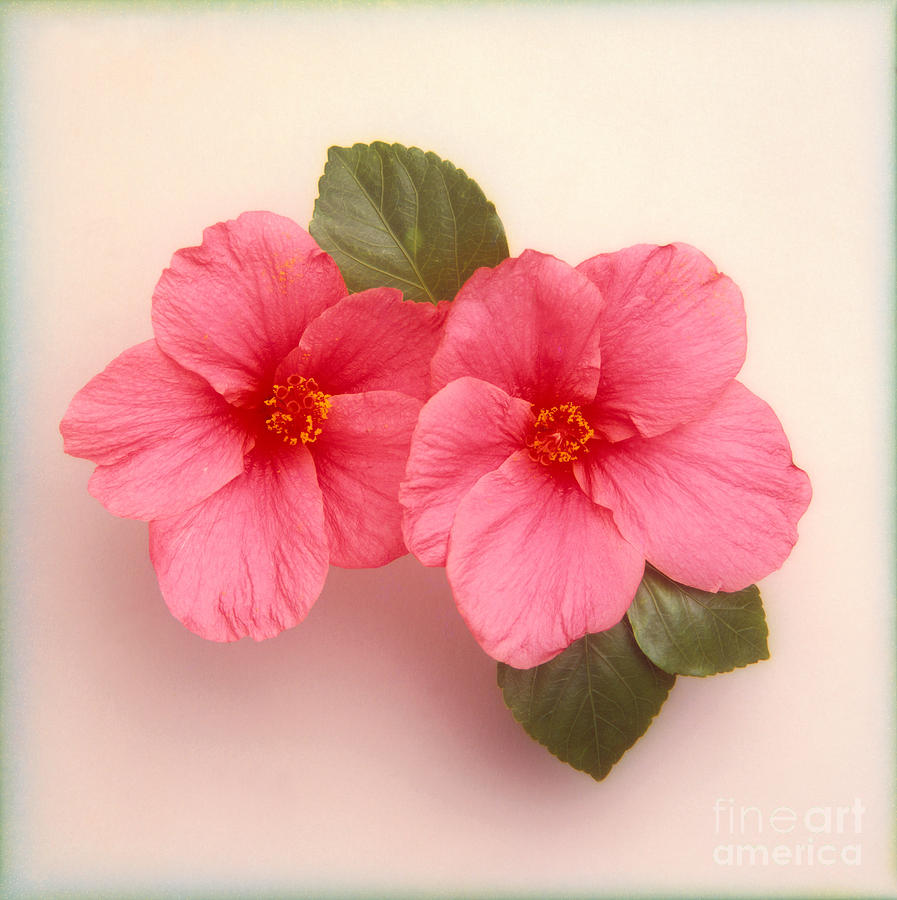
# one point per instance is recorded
(298, 410)
(560, 434)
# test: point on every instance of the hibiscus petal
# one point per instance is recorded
(233, 307)
(360, 459)
(672, 338)
(371, 341)
(252, 558)
(162, 438)
(534, 564)
(529, 326)
(714, 503)
(466, 430)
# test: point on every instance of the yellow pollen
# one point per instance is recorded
(559, 435)
(299, 410)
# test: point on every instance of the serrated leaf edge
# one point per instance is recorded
(503, 668)
(331, 156)
(682, 591)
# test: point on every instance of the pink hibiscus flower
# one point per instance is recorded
(588, 420)
(264, 432)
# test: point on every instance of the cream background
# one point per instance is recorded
(369, 748)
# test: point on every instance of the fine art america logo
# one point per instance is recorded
(784, 836)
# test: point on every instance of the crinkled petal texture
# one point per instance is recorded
(672, 338)
(233, 307)
(713, 504)
(360, 460)
(242, 525)
(252, 558)
(371, 341)
(467, 429)
(686, 468)
(529, 326)
(162, 439)
(534, 564)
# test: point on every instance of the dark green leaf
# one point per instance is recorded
(690, 632)
(592, 702)
(393, 216)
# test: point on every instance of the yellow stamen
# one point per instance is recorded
(300, 409)
(560, 434)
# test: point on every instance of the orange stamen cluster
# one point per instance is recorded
(559, 435)
(299, 410)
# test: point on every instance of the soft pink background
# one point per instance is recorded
(369, 748)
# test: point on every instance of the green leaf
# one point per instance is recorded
(590, 703)
(393, 216)
(690, 632)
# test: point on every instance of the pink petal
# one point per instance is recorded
(360, 459)
(534, 564)
(714, 503)
(372, 341)
(529, 326)
(252, 558)
(162, 438)
(672, 337)
(232, 308)
(466, 430)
